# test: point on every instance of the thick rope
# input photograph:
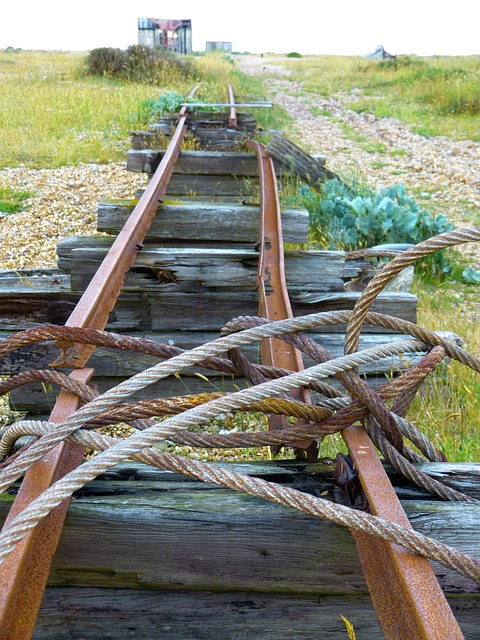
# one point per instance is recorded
(383, 277)
(386, 428)
(176, 364)
(339, 514)
(138, 441)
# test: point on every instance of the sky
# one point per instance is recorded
(339, 27)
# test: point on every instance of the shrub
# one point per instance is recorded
(294, 54)
(139, 64)
(153, 65)
(107, 61)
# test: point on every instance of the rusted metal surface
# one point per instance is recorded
(274, 302)
(408, 600)
(232, 120)
(24, 574)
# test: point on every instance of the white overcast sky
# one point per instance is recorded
(344, 27)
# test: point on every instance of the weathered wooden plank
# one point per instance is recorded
(142, 160)
(194, 269)
(106, 614)
(213, 134)
(214, 539)
(236, 163)
(109, 362)
(314, 477)
(297, 160)
(22, 305)
(24, 310)
(209, 185)
(463, 476)
(204, 221)
(214, 310)
(208, 116)
(44, 281)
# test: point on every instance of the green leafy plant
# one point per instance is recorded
(470, 276)
(294, 54)
(351, 216)
(168, 102)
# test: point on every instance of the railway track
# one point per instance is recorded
(406, 595)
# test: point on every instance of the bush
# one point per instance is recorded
(139, 64)
(107, 61)
(294, 54)
(349, 217)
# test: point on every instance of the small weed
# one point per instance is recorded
(374, 147)
(318, 111)
(12, 201)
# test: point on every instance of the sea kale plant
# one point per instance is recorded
(350, 216)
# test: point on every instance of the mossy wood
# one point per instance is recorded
(205, 221)
(172, 539)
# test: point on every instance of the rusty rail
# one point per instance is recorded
(416, 607)
(24, 574)
(273, 299)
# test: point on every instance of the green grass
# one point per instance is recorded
(53, 114)
(446, 409)
(436, 95)
(12, 201)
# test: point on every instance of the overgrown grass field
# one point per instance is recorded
(53, 114)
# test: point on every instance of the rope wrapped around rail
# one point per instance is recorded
(330, 413)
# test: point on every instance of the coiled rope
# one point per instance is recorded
(334, 411)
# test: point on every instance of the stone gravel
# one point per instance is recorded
(64, 204)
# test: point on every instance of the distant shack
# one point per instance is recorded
(218, 46)
(172, 35)
(380, 54)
